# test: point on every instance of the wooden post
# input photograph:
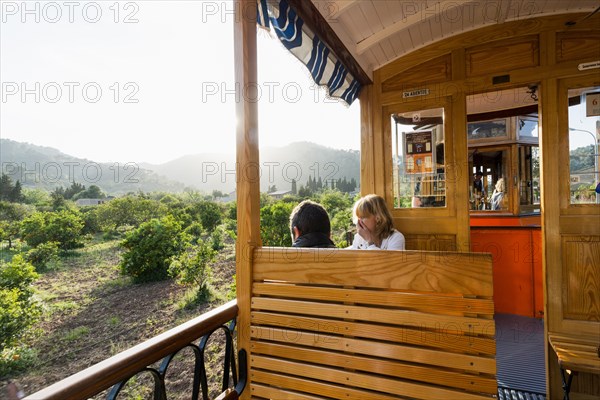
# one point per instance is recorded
(367, 166)
(248, 167)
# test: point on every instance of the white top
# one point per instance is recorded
(393, 242)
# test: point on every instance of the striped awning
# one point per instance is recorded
(307, 47)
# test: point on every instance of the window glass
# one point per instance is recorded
(529, 178)
(527, 128)
(487, 129)
(490, 183)
(418, 159)
(584, 130)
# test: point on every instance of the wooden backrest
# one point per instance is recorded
(350, 324)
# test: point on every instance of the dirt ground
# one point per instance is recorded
(91, 312)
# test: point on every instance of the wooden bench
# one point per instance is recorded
(381, 325)
(576, 353)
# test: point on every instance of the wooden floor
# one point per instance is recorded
(520, 357)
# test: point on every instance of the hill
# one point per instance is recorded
(278, 166)
(48, 168)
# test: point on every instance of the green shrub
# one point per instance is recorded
(64, 227)
(150, 247)
(18, 310)
(194, 230)
(192, 268)
(216, 239)
(42, 255)
(275, 224)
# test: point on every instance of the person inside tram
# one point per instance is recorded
(497, 199)
(374, 226)
(310, 226)
(415, 202)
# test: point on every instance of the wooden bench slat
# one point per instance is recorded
(444, 377)
(437, 272)
(347, 324)
(361, 380)
(432, 303)
(467, 325)
(328, 390)
(579, 362)
(576, 352)
(453, 361)
(574, 339)
(417, 336)
(268, 392)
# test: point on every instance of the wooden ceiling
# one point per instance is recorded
(376, 32)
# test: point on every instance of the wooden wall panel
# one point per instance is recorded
(432, 71)
(430, 242)
(502, 57)
(581, 278)
(577, 46)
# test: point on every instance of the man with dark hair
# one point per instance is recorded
(478, 183)
(310, 226)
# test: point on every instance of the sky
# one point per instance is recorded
(149, 81)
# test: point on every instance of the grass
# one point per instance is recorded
(114, 321)
(92, 312)
(77, 333)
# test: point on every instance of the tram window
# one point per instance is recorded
(529, 178)
(490, 183)
(527, 128)
(487, 129)
(584, 145)
(418, 159)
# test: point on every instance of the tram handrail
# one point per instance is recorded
(119, 367)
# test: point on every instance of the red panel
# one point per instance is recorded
(513, 256)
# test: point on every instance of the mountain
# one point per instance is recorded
(48, 168)
(278, 166)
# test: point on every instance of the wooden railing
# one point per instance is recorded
(117, 370)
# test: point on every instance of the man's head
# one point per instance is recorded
(478, 175)
(308, 217)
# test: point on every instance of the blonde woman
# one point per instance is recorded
(498, 195)
(374, 227)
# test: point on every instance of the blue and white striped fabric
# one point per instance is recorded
(323, 65)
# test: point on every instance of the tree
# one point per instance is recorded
(42, 255)
(16, 195)
(149, 248)
(64, 227)
(275, 224)
(294, 189)
(11, 215)
(37, 197)
(6, 187)
(18, 309)
(58, 199)
(93, 192)
(304, 191)
(72, 190)
(207, 212)
(128, 211)
(335, 201)
(192, 268)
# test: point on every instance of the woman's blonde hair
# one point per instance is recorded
(373, 204)
(500, 187)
